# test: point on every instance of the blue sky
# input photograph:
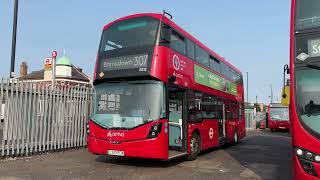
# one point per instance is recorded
(251, 34)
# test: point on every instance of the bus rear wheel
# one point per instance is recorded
(194, 147)
(235, 137)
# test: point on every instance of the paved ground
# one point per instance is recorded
(261, 155)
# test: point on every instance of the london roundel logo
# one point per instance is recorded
(211, 133)
(176, 62)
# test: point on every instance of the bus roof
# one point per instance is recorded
(180, 30)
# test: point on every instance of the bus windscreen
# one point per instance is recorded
(126, 47)
(307, 14)
(308, 88)
(130, 33)
(126, 105)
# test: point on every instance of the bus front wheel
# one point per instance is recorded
(195, 145)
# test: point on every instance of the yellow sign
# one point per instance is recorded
(47, 67)
(48, 64)
(285, 96)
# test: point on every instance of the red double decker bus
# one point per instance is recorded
(305, 87)
(160, 93)
(278, 117)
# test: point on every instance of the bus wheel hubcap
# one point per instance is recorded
(194, 145)
(235, 137)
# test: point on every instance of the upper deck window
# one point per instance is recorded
(137, 32)
(215, 64)
(202, 56)
(225, 70)
(177, 43)
(190, 49)
(307, 14)
(233, 75)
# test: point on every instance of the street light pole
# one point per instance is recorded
(247, 87)
(14, 38)
(271, 94)
(53, 56)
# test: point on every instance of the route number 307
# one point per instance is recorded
(141, 61)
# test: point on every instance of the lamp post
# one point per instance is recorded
(247, 87)
(271, 94)
(54, 56)
(14, 38)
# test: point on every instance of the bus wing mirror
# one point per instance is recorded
(285, 100)
(165, 36)
(172, 79)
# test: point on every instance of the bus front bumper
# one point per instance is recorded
(146, 148)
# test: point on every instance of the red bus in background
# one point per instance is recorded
(305, 87)
(260, 120)
(262, 124)
(278, 117)
(160, 93)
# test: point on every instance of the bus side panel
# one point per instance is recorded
(235, 125)
(180, 67)
(242, 128)
(159, 66)
(209, 133)
(231, 126)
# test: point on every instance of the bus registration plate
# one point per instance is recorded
(115, 153)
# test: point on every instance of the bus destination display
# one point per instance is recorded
(139, 61)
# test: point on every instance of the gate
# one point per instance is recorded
(38, 118)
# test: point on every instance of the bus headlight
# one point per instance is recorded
(299, 152)
(154, 130)
(87, 129)
(317, 158)
(305, 154)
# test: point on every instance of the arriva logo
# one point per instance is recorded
(114, 134)
(176, 62)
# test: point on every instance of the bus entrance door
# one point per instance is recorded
(222, 126)
(177, 122)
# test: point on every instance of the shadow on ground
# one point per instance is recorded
(267, 154)
(139, 162)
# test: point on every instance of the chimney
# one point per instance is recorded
(79, 69)
(23, 69)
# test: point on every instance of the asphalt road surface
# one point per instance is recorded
(261, 155)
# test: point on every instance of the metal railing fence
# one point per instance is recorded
(250, 122)
(38, 118)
